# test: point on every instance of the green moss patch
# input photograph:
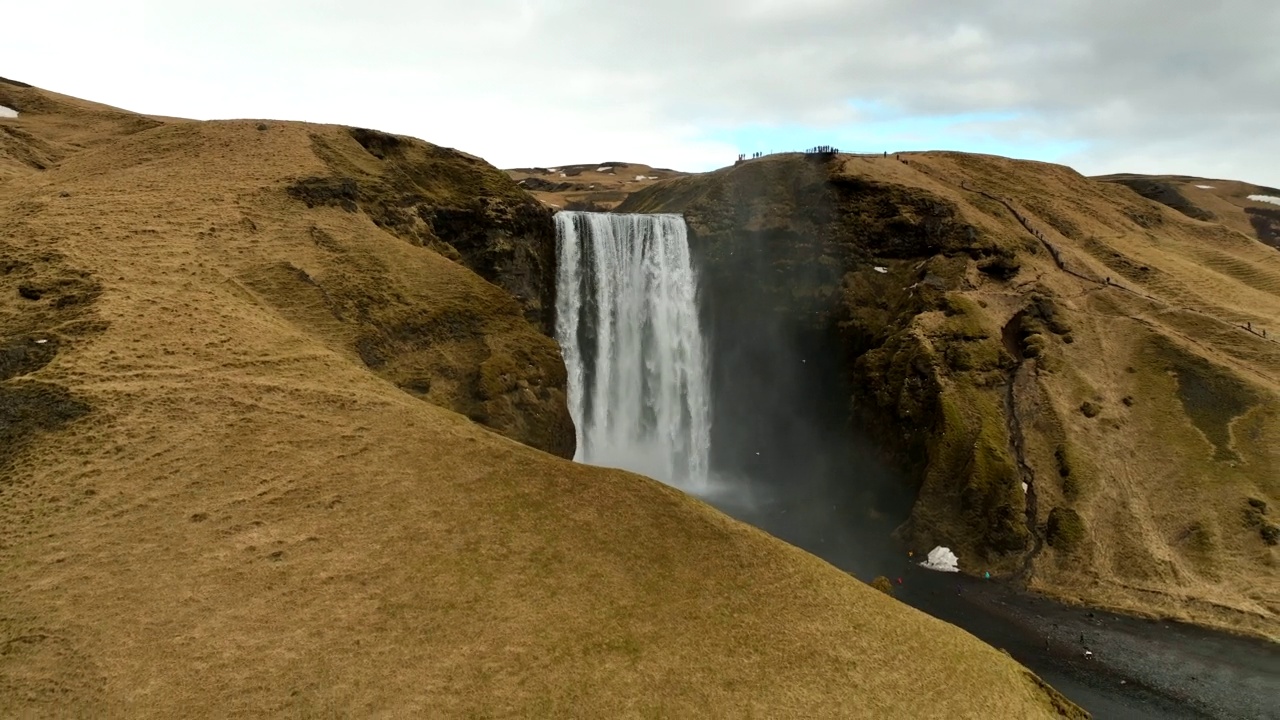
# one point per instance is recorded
(1065, 530)
(882, 584)
(1211, 396)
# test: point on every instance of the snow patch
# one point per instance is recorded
(1205, 187)
(1266, 199)
(605, 168)
(8, 112)
(652, 177)
(640, 178)
(942, 560)
(551, 170)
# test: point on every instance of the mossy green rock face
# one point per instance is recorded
(879, 269)
(456, 204)
(1066, 531)
(1020, 341)
(473, 354)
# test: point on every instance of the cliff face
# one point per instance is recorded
(998, 325)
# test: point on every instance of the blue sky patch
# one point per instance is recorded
(996, 133)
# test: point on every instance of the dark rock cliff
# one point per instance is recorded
(830, 272)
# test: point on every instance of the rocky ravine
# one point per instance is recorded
(1003, 324)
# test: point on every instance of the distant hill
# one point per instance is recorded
(1251, 209)
(281, 435)
(595, 186)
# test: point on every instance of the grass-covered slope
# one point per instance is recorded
(1029, 325)
(1251, 209)
(213, 505)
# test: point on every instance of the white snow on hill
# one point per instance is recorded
(1266, 199)
(7, 112)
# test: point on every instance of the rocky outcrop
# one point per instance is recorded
(451, 202)
(467, 356)
(1011, 336)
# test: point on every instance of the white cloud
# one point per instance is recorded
(528, 82)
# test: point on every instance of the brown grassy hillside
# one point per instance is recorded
(1229, 202)
(214, 503)
(1035, 326)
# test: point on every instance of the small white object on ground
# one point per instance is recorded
(1024, 487)
(41, 342)
(640, 178)
(8, 112)
(942, 560)
(604, 168)
(882, 270)
(562, 175)
(1088, 653)
(1205, 187)
(553, 169)
(1266, 199)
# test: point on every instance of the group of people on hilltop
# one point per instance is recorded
(818, 150)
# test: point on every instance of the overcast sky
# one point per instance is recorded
(1105, 86)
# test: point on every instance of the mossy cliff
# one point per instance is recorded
(989, 331)
(446, 200)
(472, 214)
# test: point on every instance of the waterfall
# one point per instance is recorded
(627, 323)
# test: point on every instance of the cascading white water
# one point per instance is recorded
(627, 322)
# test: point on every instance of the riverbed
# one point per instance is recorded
(1111, 665)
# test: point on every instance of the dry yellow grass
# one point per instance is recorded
(246, 521)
